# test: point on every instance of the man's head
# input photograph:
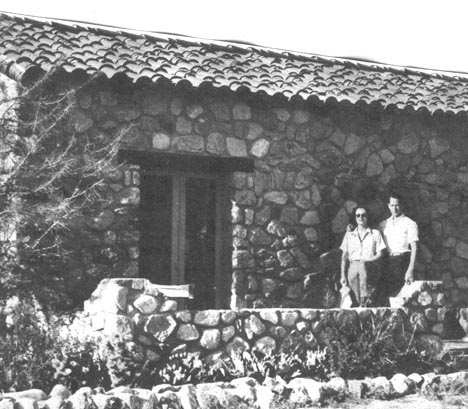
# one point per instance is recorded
(395, 204)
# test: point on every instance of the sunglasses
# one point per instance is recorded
(361, 215)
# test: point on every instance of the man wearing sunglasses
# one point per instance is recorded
(401, 237)
(361, 248)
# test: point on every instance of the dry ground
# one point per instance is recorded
(407, 402)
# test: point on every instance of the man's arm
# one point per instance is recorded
(409, 276)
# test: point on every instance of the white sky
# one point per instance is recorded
(428, 34)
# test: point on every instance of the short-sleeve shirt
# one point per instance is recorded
(398, 233)
(362, 248)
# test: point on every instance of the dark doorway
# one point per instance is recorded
(181, 232)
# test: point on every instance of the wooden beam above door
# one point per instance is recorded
(178, 161)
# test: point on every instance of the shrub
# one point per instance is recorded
(371, 348)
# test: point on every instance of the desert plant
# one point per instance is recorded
(51, 178)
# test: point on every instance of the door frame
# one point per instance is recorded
(178, 232)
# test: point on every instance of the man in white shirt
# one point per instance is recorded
(401, 237)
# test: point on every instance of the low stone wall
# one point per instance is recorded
(135, 310)
(245, 392)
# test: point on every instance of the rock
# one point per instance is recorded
(244, 390)
(7, 403)
(336, 387)
(289, 318)
(129, 196)
(437, 146)
(356, 388)
(353, 144)
(103, 220)
(265, 397)
(26, 403)
(416, 378)
(289, 215)
(285, 258)
(338, 137)
(188, 397)
(120, 325)
(189, 143)
(461, 249)
(241, 112)
(60, 391)
(269, 315)
(160, 326)
(242, 259)
(228, 317)
(292, 274)
(82, 122)
(301, 117)
(35, 394)
(311, 234)
(430, 344)
(277, 197)
(147, 304)
(216, 143)
(184, 316)
(131, 400)
(424, 298)
(265, 344)
(282, 114)
(227, 333)
(374, 165)
(260, 238)
(401, 384)
(168, 305)
(81, 401)
(260, 148)
(340, 221)
(183, 125)
(409, 143)
(210, 339)
(419, 321)
(193, 111)
(310, 218)
(380, 388)
(305, 391)
(278, 332)
(237, 345)
(276, 229)
(236, 147)
(294, 291)
(300, 257)
(187, 332)
(208, 318)
(253, 326)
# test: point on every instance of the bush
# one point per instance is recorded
(34, 354)
(372, 348)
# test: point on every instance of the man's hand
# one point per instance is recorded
(409, 278)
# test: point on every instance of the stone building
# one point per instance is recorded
(243, 163)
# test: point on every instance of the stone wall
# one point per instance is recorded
(313, 163)
(134, 310)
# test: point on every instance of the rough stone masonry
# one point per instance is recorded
(313, 163)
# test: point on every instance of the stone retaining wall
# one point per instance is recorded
(245, 392)
(135, 310)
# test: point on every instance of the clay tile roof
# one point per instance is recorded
(42, 44)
